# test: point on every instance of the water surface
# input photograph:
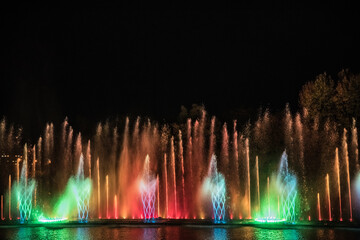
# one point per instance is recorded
(176, 232)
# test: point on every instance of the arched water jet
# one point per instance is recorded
(214, 185)
(281, 195)
(81, 188)
(148, 185)
(24, 191)
(288, 191)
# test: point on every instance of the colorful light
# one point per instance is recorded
(148, 192)
(52, 220)
(214, 184)
(270, 220)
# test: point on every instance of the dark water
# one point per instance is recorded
(176, 232)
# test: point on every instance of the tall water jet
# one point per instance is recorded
(236, 156)
(268, 197)
(225, 151)
(48, 152)
(257, 182)
(18, 170)
(288, 130)
(166, 188)
(196, 162)
(2, 207)
(337, 170)
(248, 194)
(107, 196)
(299, 131)
(39, 160)
(346, 157)
(189, 169)
(98, 188)
(124, 170)
(10, 197)
(115, 207)
(319, 207)
(78, 150)
(173, 175)
(354, 144)
(148, 191)
(158, 195)
(34, 172)
(88, 157)
(234, 178)
(224, 159)
(68, 152)
(214, 184)
(181, 157)
(17, 179)
(212, 139)
(63, 152)
(328, 196)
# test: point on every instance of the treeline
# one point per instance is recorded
(326, 99)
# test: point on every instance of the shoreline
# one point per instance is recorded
(113, 223)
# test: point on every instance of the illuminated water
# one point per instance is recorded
(176, 232)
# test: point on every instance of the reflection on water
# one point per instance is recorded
(267, 234)
(175, 233)
(220, 233)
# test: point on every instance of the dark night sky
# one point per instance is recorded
(96, 62)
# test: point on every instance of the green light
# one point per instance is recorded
(270, 220)
(52, 220)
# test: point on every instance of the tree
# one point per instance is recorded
(347, 97)
(317, 98)
(324, 101)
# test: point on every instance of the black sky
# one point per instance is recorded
(101, 61)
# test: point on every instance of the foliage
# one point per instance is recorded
(324, 100)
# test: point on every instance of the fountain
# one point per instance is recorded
(288, 191)
(148, 185)
(24, 191)
(186, 180)
(76, 197)
(214, 184)
(81, 188)
(282, 194)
